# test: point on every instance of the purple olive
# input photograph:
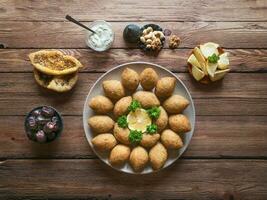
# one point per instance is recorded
(36, 113)
(51, 136)
(50, 127)
(40, 136)
(47, 111)
(31, 123)
(41, 120)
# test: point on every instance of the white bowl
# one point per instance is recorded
(88, 34)
(115, 73)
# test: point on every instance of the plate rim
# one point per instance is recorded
(123, 65)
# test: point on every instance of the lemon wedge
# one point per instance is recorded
(219, 74)
(138, 120)
(197, 73)
(223, 62)
(209, 48)
(211, 68)
(200, 59)
(193, 61)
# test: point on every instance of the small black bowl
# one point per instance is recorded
(41, 121)
(155, 27)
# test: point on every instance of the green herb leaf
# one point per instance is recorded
(154, 112)
(122, 121)
(213, 59)
(151, 129)
(134, 105)
(135, 136)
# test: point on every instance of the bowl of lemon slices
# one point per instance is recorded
(208, 63)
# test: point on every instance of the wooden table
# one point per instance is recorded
(226, 158)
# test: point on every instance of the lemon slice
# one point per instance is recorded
(138, 120)
(197, 73)
(209, 48)
(193, 61)
(223, 62)
(211, 68)
(219, 74)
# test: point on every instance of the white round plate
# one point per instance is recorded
(115, 73)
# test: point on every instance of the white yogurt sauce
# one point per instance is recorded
(103, 37)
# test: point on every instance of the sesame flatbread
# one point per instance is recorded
(54, 62)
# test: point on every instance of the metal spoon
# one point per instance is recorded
(78, 23)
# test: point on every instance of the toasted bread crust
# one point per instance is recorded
(55, 83)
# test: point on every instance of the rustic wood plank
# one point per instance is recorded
(91, 179)
(237, 94)
(242, 60)
(168, 10)
(68, 35)
(214, 137)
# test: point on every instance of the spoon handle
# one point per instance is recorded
(78, 23)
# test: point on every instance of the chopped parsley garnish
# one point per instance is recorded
(135, 136)
(213, 58)
(151, 129)
(154, 112)
(122, 121)
(134, 105)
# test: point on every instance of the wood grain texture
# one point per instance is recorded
(241, 60)
(214, 137)
(167, 10)
(69, 35)
(91, 179)
(237, 94)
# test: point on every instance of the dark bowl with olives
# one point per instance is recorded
(43, 124)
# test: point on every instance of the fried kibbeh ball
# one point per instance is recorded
(175, 104)
(104, 141)
(147, 99)
(179, 123)
(130, 79)
(171, 140)
(101, 104)
(121, 107)
(149, 140)
(101, 123)
(119, 155)
(158, 156)
(148, 78)
(121, 134)
(113, 89)
(165, 87)
(162, 120)
(138, 158)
